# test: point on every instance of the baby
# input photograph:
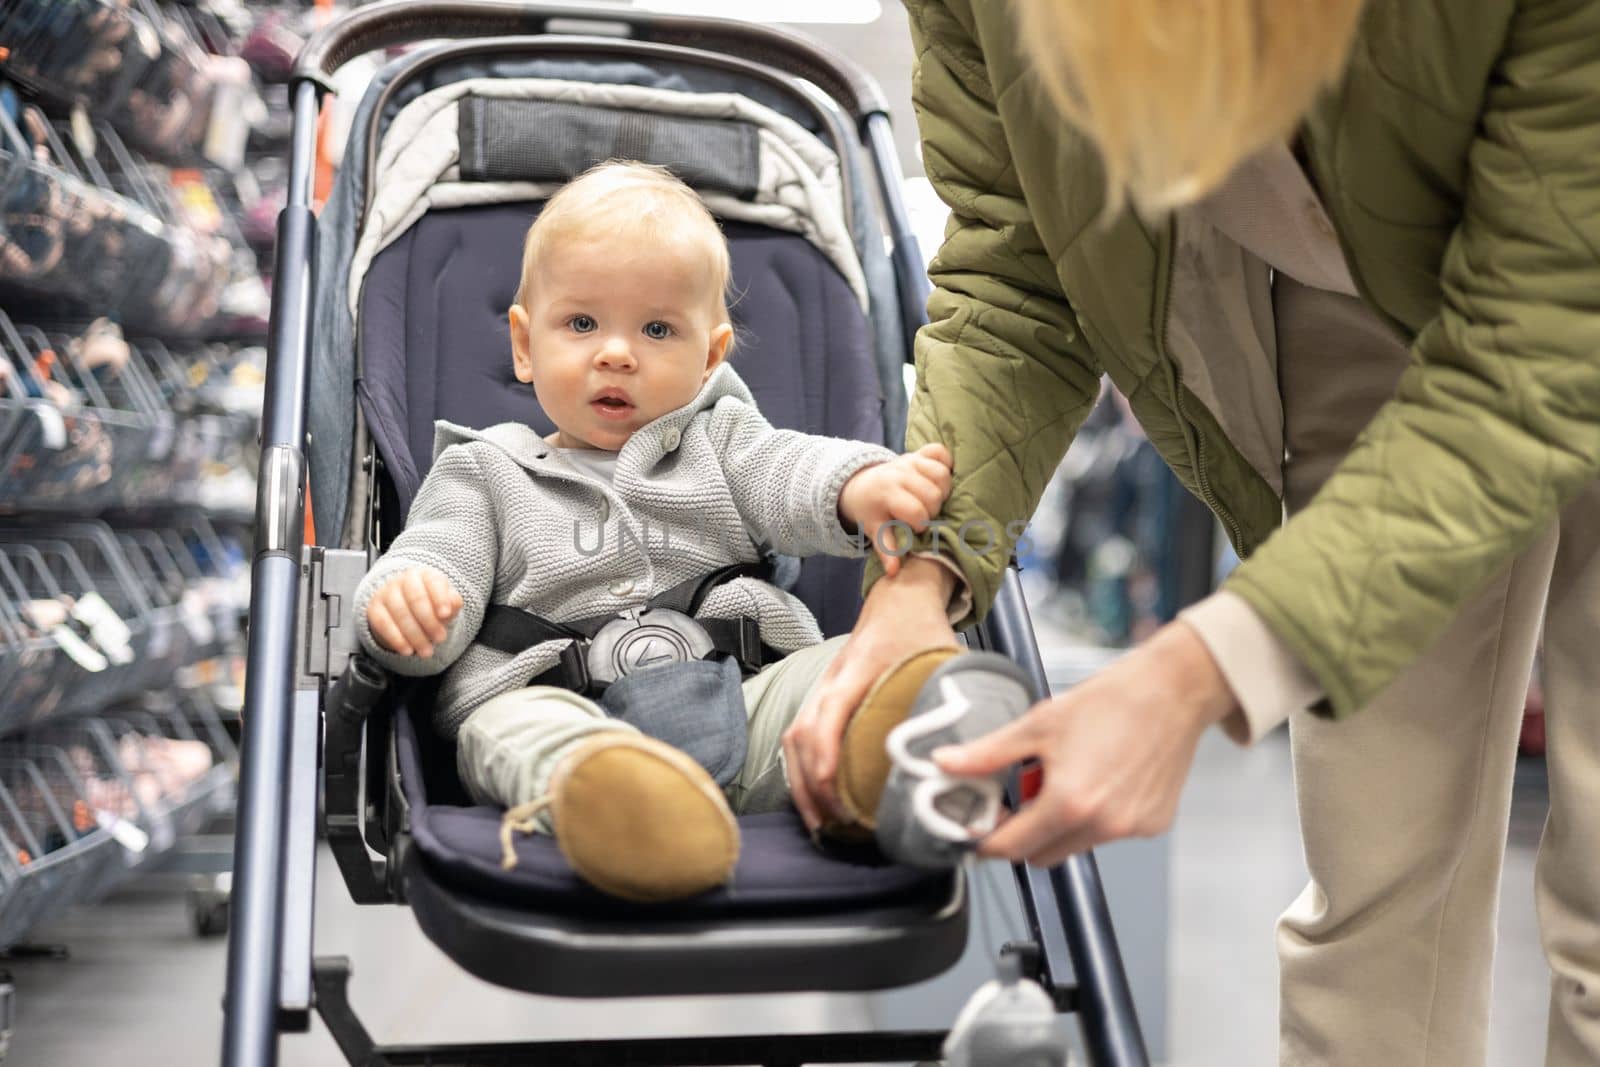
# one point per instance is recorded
(658, 496)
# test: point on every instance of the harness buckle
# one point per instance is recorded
(636, 640)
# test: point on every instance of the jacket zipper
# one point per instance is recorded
(1209, 498)
(1191, 435)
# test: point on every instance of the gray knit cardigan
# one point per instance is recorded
(509, 520)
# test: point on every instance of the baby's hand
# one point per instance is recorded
(911, 488)
(408, 614)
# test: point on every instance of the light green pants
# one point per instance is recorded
(509, 747)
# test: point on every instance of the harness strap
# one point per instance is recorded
(688, 596)
(513, 630)
(741, 639)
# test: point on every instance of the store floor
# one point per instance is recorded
(140, 991)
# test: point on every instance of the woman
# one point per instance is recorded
(1342, 262)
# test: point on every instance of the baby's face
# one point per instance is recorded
(616, 337)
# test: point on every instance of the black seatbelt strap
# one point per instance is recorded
(741, 639)
(513, 630)
(688, 596)
(571, 671)
(509, 629)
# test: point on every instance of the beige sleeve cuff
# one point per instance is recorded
(1266, 677)
(961, 595)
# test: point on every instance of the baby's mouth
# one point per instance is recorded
(611, 405)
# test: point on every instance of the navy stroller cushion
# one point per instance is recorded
(434, 345)
(779, 870)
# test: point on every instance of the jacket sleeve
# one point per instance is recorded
(786, 484)
(1496, 422)
(1004, 378)
(451, 527)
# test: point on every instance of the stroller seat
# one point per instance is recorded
(394, 317)
(842, 921)
(432, 342)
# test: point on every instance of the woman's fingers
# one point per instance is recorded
(1114, 750)
(799, 790)
(1027, 833)
(1039, 841)
(822, 744)
(1003, 748)
(812, 742)
(1057, 823)
(898, 618)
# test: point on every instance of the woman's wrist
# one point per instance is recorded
(1196, 672)
(919, 577)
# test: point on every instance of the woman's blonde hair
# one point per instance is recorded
(620, 196)
(1175, 93)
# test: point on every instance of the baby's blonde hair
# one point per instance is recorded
(1175, 93)
(638, 199)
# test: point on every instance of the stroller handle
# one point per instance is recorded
(396, 22)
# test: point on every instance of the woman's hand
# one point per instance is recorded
(410, 613)
(902, 615)
(909, 489)
(1115, 750)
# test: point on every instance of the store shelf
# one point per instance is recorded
(91, 233)
(138, 65)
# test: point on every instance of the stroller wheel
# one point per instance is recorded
(208, 912)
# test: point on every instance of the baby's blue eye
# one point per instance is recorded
(657, 331)
(581, 324)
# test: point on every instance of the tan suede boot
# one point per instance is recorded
(863, 759)
(640, 820)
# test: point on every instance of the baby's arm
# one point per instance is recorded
(908, 489)
(444, 558)
(791, 488)
(411, 612)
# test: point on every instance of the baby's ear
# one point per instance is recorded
(717, 351)
(521, 348)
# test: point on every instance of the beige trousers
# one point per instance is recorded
(1386, 956)
(509, 747)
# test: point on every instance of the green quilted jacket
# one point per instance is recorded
(1459, 161)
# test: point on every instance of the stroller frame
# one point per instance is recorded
(298, 647)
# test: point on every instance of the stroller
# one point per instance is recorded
(389, 314)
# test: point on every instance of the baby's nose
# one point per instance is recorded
(614, 353)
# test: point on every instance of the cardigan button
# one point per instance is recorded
(622, 588)
(670, 438)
